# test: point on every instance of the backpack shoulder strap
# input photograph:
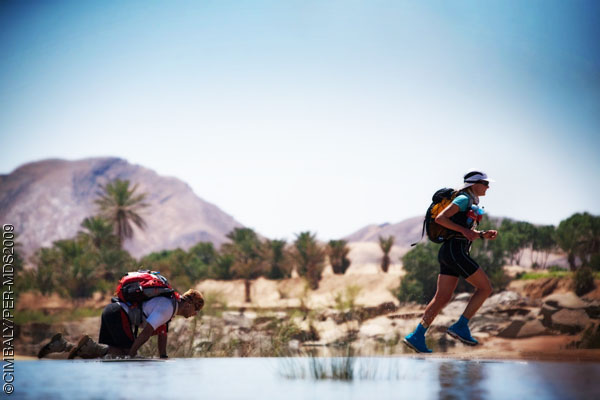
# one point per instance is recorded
(469, 198)
(422, 233)
(175, 307)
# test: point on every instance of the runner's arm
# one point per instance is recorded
(444, 220)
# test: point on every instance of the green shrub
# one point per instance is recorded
(595, 262)
(422, 269)
(537, 275)
(583, 280)
(499, 279)
(410, 290)
(345, 300)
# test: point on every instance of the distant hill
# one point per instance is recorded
(406, 232)
(47, 201)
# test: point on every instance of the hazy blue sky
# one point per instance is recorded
(315, 115)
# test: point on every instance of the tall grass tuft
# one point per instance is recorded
(345, 367)
(311, 366)
(334, 368)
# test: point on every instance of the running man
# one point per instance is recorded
(455, 261)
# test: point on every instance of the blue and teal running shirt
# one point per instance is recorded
(462, 201)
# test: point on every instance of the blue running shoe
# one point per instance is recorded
(416, 342)
(461, 332)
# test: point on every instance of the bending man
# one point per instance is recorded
(116, 334)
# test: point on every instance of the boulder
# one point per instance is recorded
(505, 302)
(546, 313)
(490, 323)
(454, 308)
(590, 338)
(532, 328)
(519, 329)
(570, 321)
(373, 312)
(512, 330)
(465, 296)
(510, 311)
(536, 289)
(376, 327)
(506, 297)
(593, 311)
(565, 300)
(238, 319)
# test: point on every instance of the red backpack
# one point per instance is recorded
(137, 287)
(140, 286)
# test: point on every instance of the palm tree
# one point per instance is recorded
(280, 263)
(386, 246)
(249, 255)
(112, 260)
(310, 258)
(338, 256)
(78, 275)
(100, 232)
(120, 205)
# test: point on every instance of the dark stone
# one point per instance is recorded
(590, 338)
(406, 316)
(546, 312)
(363, 314)
(593, 312)
(513, 311)
(307, 336)
(512, 330)
(532, 328)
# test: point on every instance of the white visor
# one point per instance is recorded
(473, 179)
(478, 177)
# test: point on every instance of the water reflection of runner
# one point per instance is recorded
(116, 336)
(455, 261)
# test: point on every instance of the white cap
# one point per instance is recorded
(472, 177)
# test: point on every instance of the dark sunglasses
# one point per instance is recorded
(484, 183)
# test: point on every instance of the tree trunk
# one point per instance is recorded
(571, 259)
(385, 263)
(247, 287)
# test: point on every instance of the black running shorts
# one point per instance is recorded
(455, 260)
(115, 329)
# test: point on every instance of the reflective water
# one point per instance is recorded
(256, 378)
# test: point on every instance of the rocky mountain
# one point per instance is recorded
(406, 232)
(47, 201)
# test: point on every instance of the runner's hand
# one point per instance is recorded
(470, 234)
(491, 234)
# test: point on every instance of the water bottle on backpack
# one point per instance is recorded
(475, 214)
